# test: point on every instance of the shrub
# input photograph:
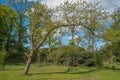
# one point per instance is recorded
(98, 59)
(3, 56)
(72, 56)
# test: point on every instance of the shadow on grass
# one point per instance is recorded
(84, 72)
(8, 69)
(110, 68)
(48, 73)
(66, 72)
(13, 69)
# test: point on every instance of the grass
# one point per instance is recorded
(13, 72)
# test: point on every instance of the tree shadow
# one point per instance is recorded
(84, 72)
(12, 69)
(65, 72)
(48, 73)
(110, 68)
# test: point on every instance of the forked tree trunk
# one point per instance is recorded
(28, 64)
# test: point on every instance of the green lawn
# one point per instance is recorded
(13, 72)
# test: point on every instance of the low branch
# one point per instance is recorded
(41, 42)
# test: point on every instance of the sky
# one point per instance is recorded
(107, 4)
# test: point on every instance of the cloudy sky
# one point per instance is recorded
(107, 4)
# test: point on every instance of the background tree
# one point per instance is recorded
(20, 6)
(68, 15)
(112, 36)
(93, 14)
(7, 33)
(87, 15)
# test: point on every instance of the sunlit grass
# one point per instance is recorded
(14, 72)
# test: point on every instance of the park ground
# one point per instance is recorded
(40, 72)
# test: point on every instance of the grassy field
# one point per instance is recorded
(13, 72)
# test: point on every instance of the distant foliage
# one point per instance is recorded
(3, 56)
(72, 56)
(98, 59)
(111, 50)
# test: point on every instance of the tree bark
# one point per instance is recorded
(93, 42)
(28, 64)
(72, 31)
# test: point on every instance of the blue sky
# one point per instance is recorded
(2, 1)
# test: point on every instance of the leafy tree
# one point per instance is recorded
(84, 14)
(40, 28)
(3, 56)
(112, 35)
(20, 6)
(7, 30)
(93, 15)
(68, 15)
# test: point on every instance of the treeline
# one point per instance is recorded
(27, 27)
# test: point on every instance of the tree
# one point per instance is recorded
(68, 15)
(40, 28)
(93, 16)
(3, 56)
(20, 6)
(7, 33)
(88, 15)
(112, 35)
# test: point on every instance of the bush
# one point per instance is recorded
(3, 56)
(72, 56)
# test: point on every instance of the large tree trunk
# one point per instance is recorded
(28, 64)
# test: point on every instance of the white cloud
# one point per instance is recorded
(107, 4)
(60, 30)
(70, 37)
(32, 0)
(53, 3)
